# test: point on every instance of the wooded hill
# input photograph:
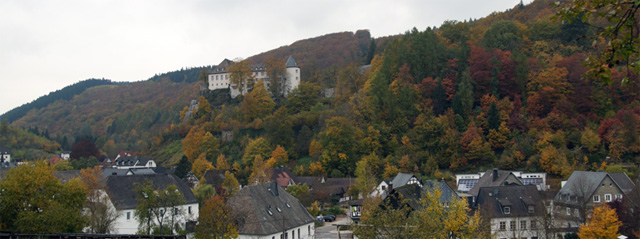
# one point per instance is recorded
(504, 91)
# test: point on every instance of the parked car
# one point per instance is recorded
(329, 218)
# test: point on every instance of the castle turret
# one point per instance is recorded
(293, 75)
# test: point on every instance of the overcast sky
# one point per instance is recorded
(47, 45)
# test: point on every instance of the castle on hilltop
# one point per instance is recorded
(220, 78)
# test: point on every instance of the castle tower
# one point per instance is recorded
(293, 75)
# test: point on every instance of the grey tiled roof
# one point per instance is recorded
(266, 209)
(447, 193)
(291, 62)
(122, 188)
(586, 182)
(491, 178)
(401, 179)
(518, 198)
(623, 181)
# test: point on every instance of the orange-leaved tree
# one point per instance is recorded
(603, 223)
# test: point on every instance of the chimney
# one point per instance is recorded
(495, 174)
(274, 188)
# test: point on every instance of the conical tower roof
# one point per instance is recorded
(291, 62)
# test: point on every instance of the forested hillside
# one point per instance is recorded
(504, 91)
(116, 117)
(65, 93)
(25, 144)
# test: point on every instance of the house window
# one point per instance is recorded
(533, 224)
(293, 234)
(512, 225)
(503, 226)
(596, 198)
(618, 196)
(189, 209)
(298, 233)
(523, 225)
(576, 213)
(309, 230)
(568, 211)
(530, 208)
(507, 210)
(607, 197)
(384, 187)
(128, 216)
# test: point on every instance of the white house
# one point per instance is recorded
(5, 155)
(220, 77)
(267, 211)
(399, 180)
(124, 198)
(466, 182)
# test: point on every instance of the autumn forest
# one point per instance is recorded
(510, 90)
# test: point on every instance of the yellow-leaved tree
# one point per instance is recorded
(279, 157)
(201, 165)
(603, 223)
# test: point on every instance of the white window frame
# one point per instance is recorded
(503, 226)
(507, 210)
(568, 211)
(596, 198)
(608, 198)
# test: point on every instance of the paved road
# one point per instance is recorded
(330, 231)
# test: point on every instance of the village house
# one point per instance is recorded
(127, 162)
(466, 182)
(328, 190)
(220, 77)
(283, 177)
(399, 180)
(5, 155)
(267, 211)
(124, 199)
(584, 190)
(515, 211)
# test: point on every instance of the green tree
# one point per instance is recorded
(32, 200)
(259, 146)
(303, 98)
(503, 35)
(158, 210)
(183, 168)
(340, 144)
(617, 25)
(216, 220)
(230, 184)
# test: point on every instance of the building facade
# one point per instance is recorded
(220, 78)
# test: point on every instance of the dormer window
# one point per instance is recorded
(507, 210)
(530, 208)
